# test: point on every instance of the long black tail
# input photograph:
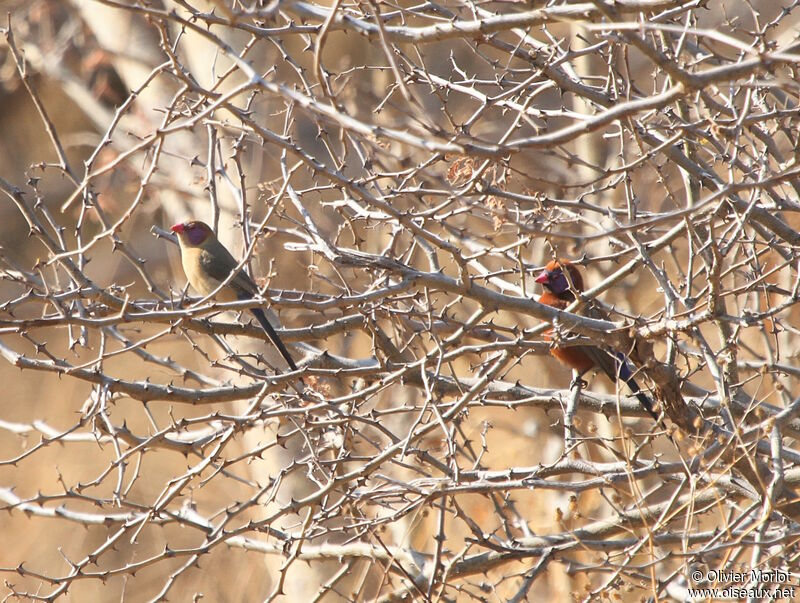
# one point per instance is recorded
(645, 401)
(624, 373)
(273, 337)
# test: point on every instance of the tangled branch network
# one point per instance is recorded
(399, 187)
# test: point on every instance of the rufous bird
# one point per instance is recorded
(561, 279)
(207, 264)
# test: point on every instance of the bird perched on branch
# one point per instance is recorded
(561, 280)
(207, 264)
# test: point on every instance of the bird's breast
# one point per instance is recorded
(574, 357)
(194, 263)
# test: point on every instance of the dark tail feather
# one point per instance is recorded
(273, 337)
(624, 372)
(645, 401)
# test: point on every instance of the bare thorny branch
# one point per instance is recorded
(396, 175)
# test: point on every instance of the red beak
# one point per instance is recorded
(543, 277)
(179, 229)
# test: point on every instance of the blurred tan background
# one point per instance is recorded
(83, 59)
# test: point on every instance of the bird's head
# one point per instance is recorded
(192, 234)
(554, 278)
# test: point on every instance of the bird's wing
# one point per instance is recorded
(244, 285)
(614, 364)
(604, 361)
(217, 262)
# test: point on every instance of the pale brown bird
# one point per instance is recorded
(207, 264)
